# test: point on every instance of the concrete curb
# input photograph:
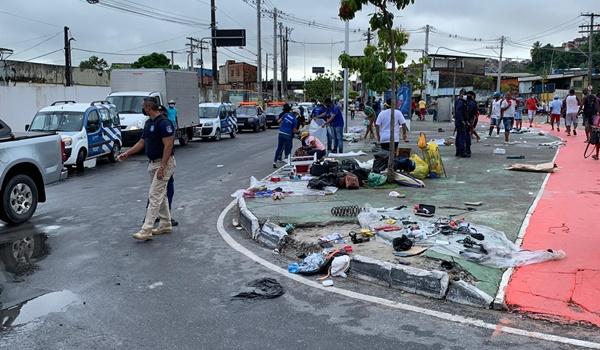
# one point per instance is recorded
(433, 284)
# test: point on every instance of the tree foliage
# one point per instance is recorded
(94, 62)
(545, 56)
(153, 60)
(321, 87)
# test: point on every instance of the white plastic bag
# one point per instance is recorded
(339, 266)
(317, 130)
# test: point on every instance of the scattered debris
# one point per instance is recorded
(499, 151)
(549, 167)
(262, 288)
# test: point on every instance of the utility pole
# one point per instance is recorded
(275, 94)
(192, 45)
(258, 54)
(213, 30)
(266, 70)
(346, 51)
(498, 83)
(425, 66)
(172, 57)
(589, 30)
(364, 92)
(282, 59)
(68, 76)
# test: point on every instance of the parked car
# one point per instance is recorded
(216, 119)
(272, 113)
(89, 130)
(251, 116)
(29, 162)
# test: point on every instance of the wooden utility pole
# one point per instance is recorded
(68, 76)
(172, 57)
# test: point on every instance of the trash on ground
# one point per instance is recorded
(499, 151)
(549, 167)
(554, 144)
(395, 194)
(262, 288)
(473, 204)
(347, 154)
(327, 283)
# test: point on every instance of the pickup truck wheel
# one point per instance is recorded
(18, 253)
(114, 153)
(80, 160)
(19, 199)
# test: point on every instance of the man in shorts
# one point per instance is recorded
(495, 114)
(555, 109)
(589, 108)
(571, 105)
(532, 105)
(507, 112)
(518, 112)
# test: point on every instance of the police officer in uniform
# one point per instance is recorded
(463, 136)
(157, 142)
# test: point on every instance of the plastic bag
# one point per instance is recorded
(421, 167)
(317, 130)
(368, 217)
(434, 159)
(340, 265)
(376, 180)
(422, 143)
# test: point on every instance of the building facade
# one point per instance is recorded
(237, 76)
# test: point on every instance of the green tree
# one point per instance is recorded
(153, 60)
(390, 39)
(94, 62)
(323, 86)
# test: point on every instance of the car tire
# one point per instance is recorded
(19, 253)
(218, 135)
(233, 133)
(114, 153)
(19, 199)
(256, 127)
(80, 160)
(264, 127)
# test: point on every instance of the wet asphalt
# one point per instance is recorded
(100, 289)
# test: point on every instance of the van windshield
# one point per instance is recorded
(250, 110)
(127, 104)
(208, 112)
(57, 121)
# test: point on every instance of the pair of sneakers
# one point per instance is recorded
(147, 234)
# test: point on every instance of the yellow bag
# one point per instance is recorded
(422, 144)
(433, 158)
(421, 168)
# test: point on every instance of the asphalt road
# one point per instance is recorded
(175, 291)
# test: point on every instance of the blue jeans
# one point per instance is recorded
(284, 143)
(337, 138)
(329, 138)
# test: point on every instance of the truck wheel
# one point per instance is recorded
(184, 139)
(114, 153)
(19, 253)
(80, 160)
(19, 199)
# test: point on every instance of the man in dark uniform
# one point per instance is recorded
(463, 137)
(157, 141)
(472, 118)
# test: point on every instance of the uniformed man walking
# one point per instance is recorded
(157, 141)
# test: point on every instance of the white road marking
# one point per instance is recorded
(468, 321)
(501, 295)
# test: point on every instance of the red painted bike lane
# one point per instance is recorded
(567, 217)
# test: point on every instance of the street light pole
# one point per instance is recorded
(258, 54)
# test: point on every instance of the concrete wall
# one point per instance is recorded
(28, 72)
(18, 104)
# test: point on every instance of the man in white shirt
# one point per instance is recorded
(495, 113)
(507, 112)
(555, 109)
(571, 104)
(382, 127)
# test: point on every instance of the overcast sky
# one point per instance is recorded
(34, 27)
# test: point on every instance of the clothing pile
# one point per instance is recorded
(456, 238)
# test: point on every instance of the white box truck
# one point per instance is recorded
(129, 87)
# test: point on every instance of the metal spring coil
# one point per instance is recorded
(347, 211)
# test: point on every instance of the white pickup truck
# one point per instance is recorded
(28, 162)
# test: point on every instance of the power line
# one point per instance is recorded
(29, 19)
(44, 55)
(554, 27)
(38, 44)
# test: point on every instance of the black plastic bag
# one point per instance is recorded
(262, 288)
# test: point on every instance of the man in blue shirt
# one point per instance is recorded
(335, 122)
(157, 142)
(172, 113)
(288, 126)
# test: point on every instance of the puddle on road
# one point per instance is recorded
(38, 307)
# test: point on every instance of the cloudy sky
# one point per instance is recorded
(33, 28)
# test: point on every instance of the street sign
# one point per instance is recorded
(230, 37)
(318, 70)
